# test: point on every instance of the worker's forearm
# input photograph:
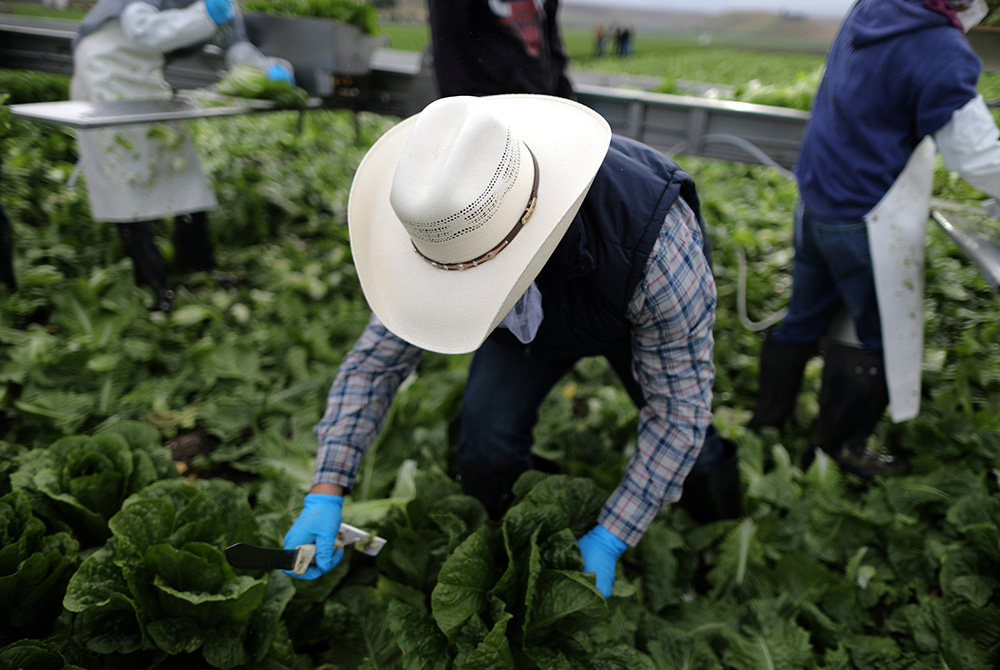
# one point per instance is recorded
(327, 489)
(162, 31)
(970, 146)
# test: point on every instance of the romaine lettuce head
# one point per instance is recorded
(80, 482)
(162, 581)
(34, 569)
(34, 654)
(526, 570)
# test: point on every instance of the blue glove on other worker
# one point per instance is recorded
(600, 551)
(220, 11)
(318, 523)
(280, 73)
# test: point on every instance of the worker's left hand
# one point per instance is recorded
(600, 551)
(220, 11)
(280, 73)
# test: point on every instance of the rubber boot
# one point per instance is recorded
(718, 494)
(193, 251)
(852, 400)
(7, 253)
(147, 263)
(782, 366)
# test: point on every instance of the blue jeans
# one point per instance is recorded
(507, 383)
(832, 268)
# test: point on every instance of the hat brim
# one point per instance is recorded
(453, 311)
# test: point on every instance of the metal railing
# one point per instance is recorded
(399, 83)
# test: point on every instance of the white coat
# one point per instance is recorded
(144, 172)
(969, 145)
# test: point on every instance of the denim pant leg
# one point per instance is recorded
(832, 268)
(500, 404)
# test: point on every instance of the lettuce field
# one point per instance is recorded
(134, 447)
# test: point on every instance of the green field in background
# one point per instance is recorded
(681, 57)
(668, 56)
(33, 9)
(725, 61)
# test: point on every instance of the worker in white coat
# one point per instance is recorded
(900, 80)
(140, 173)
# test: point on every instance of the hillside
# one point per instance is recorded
(767, 24)
(659, 21)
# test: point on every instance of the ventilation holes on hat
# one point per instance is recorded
(472, 217)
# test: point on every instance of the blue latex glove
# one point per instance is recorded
(280, 73)
(317, 523)
(600, 551)
(220, 11)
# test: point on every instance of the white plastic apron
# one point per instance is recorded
(140, 172)
(896, 237)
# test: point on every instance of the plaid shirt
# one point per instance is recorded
(672, 313)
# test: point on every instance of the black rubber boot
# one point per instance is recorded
(193, 251)
(782, 367)
(852, 400)
(7, 253)
(717, 495)
(147, 263)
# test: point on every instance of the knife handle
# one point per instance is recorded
(304, 554)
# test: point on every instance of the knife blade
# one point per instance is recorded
(250, 557)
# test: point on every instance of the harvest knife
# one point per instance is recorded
(250, 557)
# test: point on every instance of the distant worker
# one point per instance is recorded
(626, 41)
(139, 174)
(600, 40)
(489, 47)
(900, 78)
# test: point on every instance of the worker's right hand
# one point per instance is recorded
(317, 523)
(220, 11)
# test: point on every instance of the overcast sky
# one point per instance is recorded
(812, 7)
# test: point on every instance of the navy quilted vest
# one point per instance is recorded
(589, 280)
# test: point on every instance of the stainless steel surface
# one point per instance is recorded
(980, 244)
(733, 131)
(28, 43)
(88, 115)
(320, 50)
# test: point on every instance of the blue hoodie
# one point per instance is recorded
(896, 72)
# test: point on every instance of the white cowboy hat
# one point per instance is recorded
(443, 230)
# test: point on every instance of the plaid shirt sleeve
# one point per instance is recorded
(359, 401)
(672, 313)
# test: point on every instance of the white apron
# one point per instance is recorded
(896, 237)
(138, 172)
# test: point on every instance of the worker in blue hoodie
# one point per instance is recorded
(899, 85)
